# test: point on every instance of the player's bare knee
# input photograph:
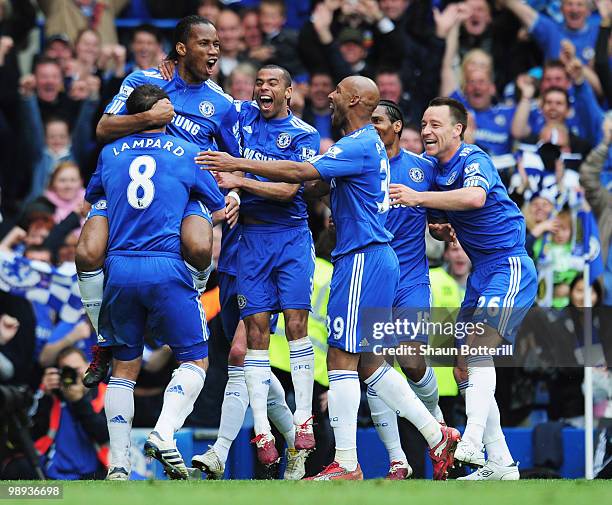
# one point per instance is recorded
(296, 327)
(91, 248)
(237, 354)
(87, 258)
(337, 359)
(127, 369)
(415, 372)
(258, 330)
(413, 366)
(196, 254)
(365, 371)
(196, 241)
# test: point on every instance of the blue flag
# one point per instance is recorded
(588, 245)
(40, 282)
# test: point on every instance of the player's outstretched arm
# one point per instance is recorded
(282, 170)
(114, 126)
(279, 191)
(457, 199)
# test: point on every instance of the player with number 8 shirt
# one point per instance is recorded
(198, 111)
(147, 179)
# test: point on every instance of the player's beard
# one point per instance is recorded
(338, 118)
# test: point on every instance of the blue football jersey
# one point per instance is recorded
(148, 179)
(288, 138)
(549, 35)
(498, 228)
(492, 126)
(408, 224)
(357, 169)
(204, 114)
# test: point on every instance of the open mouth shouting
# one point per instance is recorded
(210, 64)
(266, 101)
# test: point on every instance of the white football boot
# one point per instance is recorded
(210, 464)
(296, 460)
(493, 471)
(467, 454)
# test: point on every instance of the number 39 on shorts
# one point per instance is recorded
(337, 329)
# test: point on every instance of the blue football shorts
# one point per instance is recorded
(154, 292)
(499, 294)
(362, 292)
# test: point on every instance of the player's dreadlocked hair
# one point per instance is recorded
(183, 29)
(143, 98)
(393, 112)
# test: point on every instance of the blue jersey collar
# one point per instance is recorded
(369, 126)
(397, 157)
(182, 84)
(280, 120)
(445, 167)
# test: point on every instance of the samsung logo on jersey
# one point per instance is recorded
(251, 154)
(150, 144)
(186, 124)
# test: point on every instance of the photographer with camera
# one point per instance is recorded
(69, 429)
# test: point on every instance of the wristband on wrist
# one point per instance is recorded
(235, 196)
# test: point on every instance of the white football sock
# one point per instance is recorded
(200, 277)
(427, 391)
(393, 389)
(279, 412)
(343, 406)
(494, 439)
(119, 410)
(233, 410)
(179, 397)
(91, 286)
(478, 397)
(385, 422)
(257, 374)
(301, 359)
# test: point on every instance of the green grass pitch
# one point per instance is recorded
(379, 492)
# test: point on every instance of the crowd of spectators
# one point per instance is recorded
(535, 77)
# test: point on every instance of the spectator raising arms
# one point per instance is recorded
(70, 16)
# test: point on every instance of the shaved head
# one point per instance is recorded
(365, 89)
(353, 102)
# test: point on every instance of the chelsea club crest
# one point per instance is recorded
(207, 109)
(416, 174)
(283, 140)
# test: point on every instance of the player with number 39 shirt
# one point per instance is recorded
(365, 277)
